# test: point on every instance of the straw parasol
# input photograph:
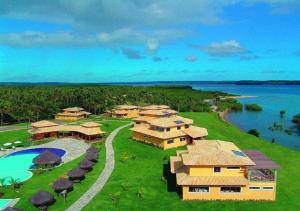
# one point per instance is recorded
(92, 157)
(46, 158)
(86, 165)
(42, 200)
(62, 184)
(92, 149)
(76, 174)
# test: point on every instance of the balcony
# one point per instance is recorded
(262, 175)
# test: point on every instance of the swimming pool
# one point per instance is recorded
(16, 166)
(4, 203)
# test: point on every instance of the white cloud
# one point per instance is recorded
(114, 22)
(223, 49)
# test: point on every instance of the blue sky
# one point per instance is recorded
(126, 41)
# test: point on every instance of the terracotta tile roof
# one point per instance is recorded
(163, 112)
(155, 107)
(161, 135)
(68, 128)
(195, 132)
(143, 118)
(172, 121)
(127, 107)
(73, 109)
(43, 123)
(221, 153)
(90, 124)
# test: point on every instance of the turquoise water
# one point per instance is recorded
(273, 99)
(16, 167)
(4, 203)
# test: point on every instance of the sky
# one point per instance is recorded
(149, 40)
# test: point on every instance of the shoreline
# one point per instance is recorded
(239, 97)
(222, 115)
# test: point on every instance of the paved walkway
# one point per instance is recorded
(105, 174)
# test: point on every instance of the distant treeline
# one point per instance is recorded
(24, 103)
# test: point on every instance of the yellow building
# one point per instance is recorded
(147, 115)
(168, 132)
(89, 131)
(219, 170)
(72, 114)
(125, 111)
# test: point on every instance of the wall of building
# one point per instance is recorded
(209, 171)
(68, 118)
(245, 194)
(159, 142)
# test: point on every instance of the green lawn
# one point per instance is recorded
(144, 174)
(43, 181)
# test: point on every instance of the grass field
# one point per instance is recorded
(136, 183)
(43, 181)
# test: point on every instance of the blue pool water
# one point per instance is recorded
(4, 203)
(16, 165)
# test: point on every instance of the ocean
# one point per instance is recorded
(272, 98)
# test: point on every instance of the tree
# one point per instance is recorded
(254, 132)
(4, 109)
(282, 113)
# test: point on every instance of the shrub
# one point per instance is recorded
(141, 193)
(124, 157)
(254, 132)
(253, 107)
(125, 186)
(115, 197)
(296, 119)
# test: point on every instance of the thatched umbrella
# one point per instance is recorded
(12, 209)
(92, 157)
(76, 174)
(47, 158)
(92, 149)
(86, 165)
(42, 200)
(62, 184)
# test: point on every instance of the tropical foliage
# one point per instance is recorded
(32, 103)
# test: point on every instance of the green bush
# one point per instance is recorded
(254, 132)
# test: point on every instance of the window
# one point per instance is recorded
(171, 141)
(199, 189)
(178, 128)
(233, 167)
(168, 129)
(182, 139)
(230, 189)
(186, 126)
(217, 169)
(254, 188)
(268, 188)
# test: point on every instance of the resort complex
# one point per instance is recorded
(201, 170)
(168, 132)
(88, 131)
(72, 114)
(219, 170)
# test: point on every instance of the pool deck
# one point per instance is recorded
(74, 148)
